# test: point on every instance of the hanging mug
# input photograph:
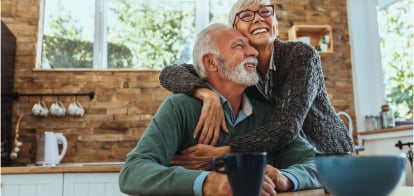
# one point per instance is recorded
(57, 109)
(76, 109)
(40, 109)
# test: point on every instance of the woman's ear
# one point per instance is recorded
(276, 29)
(210, 62)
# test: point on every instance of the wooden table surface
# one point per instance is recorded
(400, 191)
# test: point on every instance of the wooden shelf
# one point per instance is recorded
(315, 33)
(387, 130)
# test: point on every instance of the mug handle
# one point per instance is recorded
(216, 167)
(60, 104)
(43, 104)
(79, 105)
(62, 140)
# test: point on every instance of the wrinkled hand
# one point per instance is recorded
(211, 118)
(281, 182)
(199, 156)
(268, 188)
(217, 184)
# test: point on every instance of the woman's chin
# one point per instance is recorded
(261, 40)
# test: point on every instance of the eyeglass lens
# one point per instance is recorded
(248, 15)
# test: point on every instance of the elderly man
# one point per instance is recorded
(224, 58)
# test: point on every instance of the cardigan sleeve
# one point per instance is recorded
(180, 79)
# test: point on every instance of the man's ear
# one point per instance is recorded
(210, 62)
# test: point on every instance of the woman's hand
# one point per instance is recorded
(211, 118)
(281, 182)
(199, 156)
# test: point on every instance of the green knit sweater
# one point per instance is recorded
(147, 170)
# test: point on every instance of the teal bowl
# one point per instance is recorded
(360, 175)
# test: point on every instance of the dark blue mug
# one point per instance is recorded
(245, 171)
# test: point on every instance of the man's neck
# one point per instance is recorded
(235, 102)
(232, 92)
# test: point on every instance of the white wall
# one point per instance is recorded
(366, 59)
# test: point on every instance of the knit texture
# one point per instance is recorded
(147, 170)
(300, 98)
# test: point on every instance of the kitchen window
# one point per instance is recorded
(122, 34)
(396, 32)
(367, 57)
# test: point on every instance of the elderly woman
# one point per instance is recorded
(291, 77)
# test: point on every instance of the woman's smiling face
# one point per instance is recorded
(262, 29)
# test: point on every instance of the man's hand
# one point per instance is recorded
(281, 181)
(199, 156)
(268, 188)
(211, 118)
(218, 184)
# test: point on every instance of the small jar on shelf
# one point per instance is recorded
(387, 117)
(323, 44)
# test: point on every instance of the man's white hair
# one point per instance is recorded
(205, 44)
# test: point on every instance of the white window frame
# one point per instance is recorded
(101, 18)
(367, 73)
(100, 45)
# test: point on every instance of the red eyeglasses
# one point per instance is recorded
(248, 15)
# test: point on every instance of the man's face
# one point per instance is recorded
(237, 61)
(238, 74)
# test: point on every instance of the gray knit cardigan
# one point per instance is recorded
(300, 96)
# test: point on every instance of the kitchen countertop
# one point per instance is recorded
(388, 130)
(400, 191)
(95, 167)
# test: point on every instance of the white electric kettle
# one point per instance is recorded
(48, 149)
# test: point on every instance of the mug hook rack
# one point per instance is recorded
(16, 95)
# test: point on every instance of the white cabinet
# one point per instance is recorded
(60, 184)
(31, 184)
(91, 184)
(383, 142)
(379, 143)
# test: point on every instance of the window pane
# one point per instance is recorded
(219, 10)
(396, 30)
(149, 34)
(68, 34)
(133, 34)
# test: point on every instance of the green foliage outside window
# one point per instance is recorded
(156, 34)
(146, 35)
(397, 34)
(77, 54)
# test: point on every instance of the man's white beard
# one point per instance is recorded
(238, 75)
